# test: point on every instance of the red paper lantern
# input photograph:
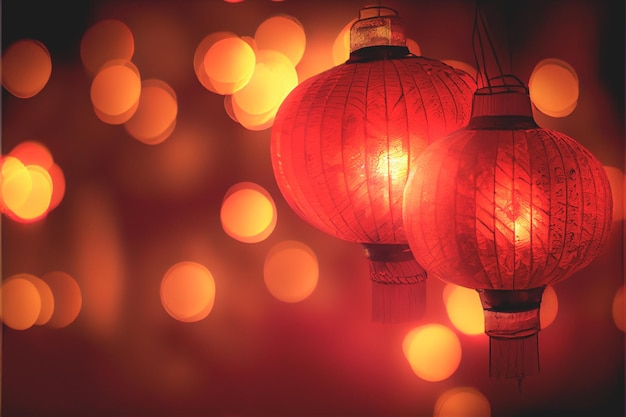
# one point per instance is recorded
(507, 207)
(342, 142)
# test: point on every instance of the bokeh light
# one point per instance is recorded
(463, 66)
(19, 183)
(21, 303)
(433, 351)
(67, 296)
(32, 152)
(618, 308)
(549, 307)
(554, 87)
(45, 295)
(341, 45)
(282, 33)
(273, 79)
(58, 185)
(104, 41)
(188, 291)
(115, 91)
(464, 309)
(248, 212)
(199, 59)
(26, 68)
(37, 202)
(229, 64)
(616, 179)
(462, 402)
(414, 47)
(291, 271)
(155, 117)
(15, 183)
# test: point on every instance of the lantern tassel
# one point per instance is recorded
(512, 324)
(398, 283)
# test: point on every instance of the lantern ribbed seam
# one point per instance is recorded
(531, 216)
(513, 186)
(564, 234)
(539, 273)
(365, 158)
(325, 219)
(389, 170)
(407, 120)
(495, 218)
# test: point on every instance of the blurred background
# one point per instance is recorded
(152, 267)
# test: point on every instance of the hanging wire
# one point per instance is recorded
(481, 31)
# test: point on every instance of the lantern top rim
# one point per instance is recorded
(377, 26)
(373, 11)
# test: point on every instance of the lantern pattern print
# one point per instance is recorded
(507, 207)
(343, 141)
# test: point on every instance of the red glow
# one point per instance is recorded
(32, 152)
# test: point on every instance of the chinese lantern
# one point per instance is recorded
(507, 207)
(343, 140)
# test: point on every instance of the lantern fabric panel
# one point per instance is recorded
(507, 209)
(343, 141)
(363, 123)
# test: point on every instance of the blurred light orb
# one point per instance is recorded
(26, 68)
(282, 33)
(549, 307)
(465, 310)
(414, 47)
(156, 113)
(32, 152)
(21, 303)
(341, 45)
(273, 79)
(433, 351)
(618, 308)
(253, 122)
(229, 63)
(616, 179)
(199, 58)
(554, 87)
(291, 271)
(248, 212)
(37, 202)
(462, 402)
(115, 91)
(104, 41)
(58, 185)
(45, 294)
(15, 183)
(463, 66)
(68, 299)
(188, 291)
